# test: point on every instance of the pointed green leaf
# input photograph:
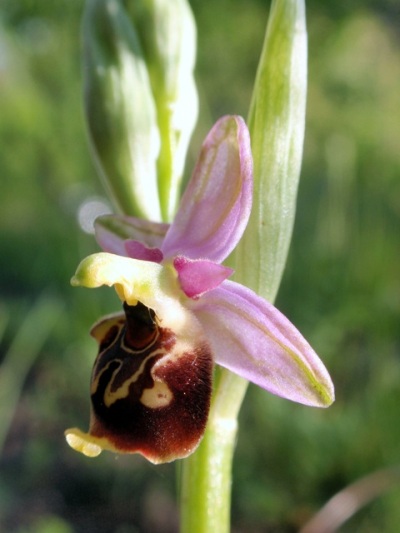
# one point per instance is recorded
(276, 123)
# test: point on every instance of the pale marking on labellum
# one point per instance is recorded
(122, 392)
(136, 352)
(125, 348)
(158, 396)
(95, 382)
(115, 340)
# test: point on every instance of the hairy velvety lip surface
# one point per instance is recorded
(150, 392)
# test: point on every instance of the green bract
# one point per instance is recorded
(140, 99)
(276, 124)
(167, 32)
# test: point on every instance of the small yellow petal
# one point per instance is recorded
(83, 442)
(134, 280)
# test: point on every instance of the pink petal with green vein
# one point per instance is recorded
(216, 205)
(250, 337)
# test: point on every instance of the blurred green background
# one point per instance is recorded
(341, 287)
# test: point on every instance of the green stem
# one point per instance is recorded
(276, 123)
(207, 474)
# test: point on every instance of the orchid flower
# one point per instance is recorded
(152, 380)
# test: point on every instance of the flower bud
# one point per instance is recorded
(140, 99)
(120, 109)
(167, 32)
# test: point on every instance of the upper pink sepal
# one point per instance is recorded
(216, 205)
(250, 337)
(137, 250)
(200, 276)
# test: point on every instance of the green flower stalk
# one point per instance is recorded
(140, 99)
(276, 123)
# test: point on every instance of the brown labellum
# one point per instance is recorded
(151, 385)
